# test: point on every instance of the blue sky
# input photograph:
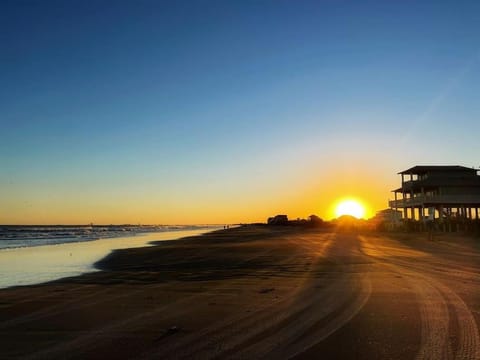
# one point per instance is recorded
(215, 111)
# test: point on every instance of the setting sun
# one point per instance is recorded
(350, 207)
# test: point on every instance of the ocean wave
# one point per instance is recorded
(16, 236)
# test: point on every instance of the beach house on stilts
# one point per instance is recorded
(444, 194)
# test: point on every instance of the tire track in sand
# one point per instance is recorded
(219, 338)
(435, 320)
(434, 298)
(326, 315)
(469, 339)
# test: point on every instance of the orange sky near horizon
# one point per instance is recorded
(298, 195)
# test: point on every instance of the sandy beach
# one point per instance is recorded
(258, 292)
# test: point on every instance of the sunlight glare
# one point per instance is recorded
(350, 207)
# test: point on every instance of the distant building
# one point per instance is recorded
(438, 192)
(278, 220)
(388, 215)
(387, 219)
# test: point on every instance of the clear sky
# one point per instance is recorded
(228, 111)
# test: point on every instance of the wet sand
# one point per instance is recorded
(259, 292)
(37, 264)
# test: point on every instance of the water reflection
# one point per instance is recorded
(33, 265)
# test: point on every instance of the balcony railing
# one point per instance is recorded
(436, 199)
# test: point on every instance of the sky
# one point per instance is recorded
(183, 112)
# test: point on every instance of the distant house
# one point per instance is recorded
(438, 192)
(387, 219)
(278, 220)
(388, 215)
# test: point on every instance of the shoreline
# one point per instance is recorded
(31, 265)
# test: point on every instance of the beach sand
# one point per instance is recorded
(257, 292)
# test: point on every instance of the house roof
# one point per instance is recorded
(422, 169)
(432, 183)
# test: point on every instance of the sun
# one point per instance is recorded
(350, 207)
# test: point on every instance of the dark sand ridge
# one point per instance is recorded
(256, 292)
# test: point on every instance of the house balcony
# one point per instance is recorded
(434, 200)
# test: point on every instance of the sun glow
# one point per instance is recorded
(350, 207)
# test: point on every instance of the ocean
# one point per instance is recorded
(15, 236)
(36, 254)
